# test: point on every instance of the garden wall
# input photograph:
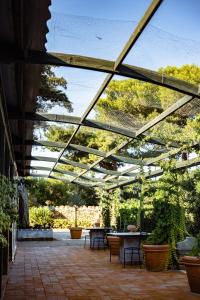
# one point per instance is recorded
(64, 216)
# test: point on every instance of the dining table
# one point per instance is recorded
(129, 239)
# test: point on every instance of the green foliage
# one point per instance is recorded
(62, 223)
(168, 211)
(105, 204)
(51, 91)
(8, 205)
(138, 102)
(59, 193)
(96, 139)
(40, 217)
(196, 248)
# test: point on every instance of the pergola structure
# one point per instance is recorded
(22, 54)
(23, 30)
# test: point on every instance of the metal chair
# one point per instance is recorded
(87, 237)
(98, 242)
(131, 252)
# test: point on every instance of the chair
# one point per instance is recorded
(98, 240)
(135, 250)
(87, 236)
(114, 245)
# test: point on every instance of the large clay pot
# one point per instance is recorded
(132, 228)
(156, 257)
(192, 266)
(75, 232)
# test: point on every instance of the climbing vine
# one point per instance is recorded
(168, 210)
(8, 207)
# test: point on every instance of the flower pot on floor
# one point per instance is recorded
(156, 257)
(192, 266)
(75, 232)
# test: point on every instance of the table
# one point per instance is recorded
(97, 232)
(128, 239)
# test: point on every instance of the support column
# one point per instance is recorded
(2, 150)
(2, 171)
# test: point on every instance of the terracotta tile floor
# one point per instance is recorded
(60, 270)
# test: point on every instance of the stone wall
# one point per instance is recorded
(87, 215)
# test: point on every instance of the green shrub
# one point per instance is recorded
(67, 223)
(40, 217)
(62, 223)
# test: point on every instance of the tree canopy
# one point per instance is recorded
(130, 104)
(52, 91)
(59, 193)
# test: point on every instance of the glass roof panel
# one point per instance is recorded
(99, 139)
(62, 176)
(37, 163)
(68, 168)
(82, 86)
(129, 104)
(94, 175)
(43, 151)
(51, 131)
(181, 127)
(170, 39)
(93, 28)
(80, 156)
(142, 150)
(41, 172)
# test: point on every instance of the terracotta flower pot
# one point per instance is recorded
(132, 228)
(192, 266)
(75, 232)
(156, 257)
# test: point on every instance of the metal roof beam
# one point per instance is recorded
(80, 148)
(65, 161)
(179, 165)
(88, 123)
(82, 62)
(62, 179)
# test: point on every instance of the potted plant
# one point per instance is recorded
(192, 266)
(76, 231)
(168, 213)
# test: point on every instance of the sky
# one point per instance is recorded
(101, 28)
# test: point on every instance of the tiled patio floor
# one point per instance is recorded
(65, 270)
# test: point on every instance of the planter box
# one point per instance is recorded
(35, 234)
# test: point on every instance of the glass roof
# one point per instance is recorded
(116, 124)
(92, 28)
(171, 37)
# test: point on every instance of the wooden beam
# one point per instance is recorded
(9, 55)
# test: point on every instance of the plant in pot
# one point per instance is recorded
(76, 231)
(192, 266)
(169, 218)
